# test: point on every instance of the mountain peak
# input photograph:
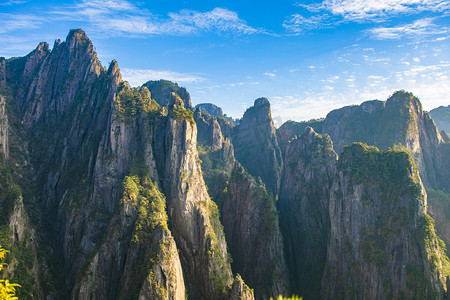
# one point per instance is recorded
(77, 38)
(261, 102)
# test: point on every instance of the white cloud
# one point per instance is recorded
(269, 74)
(363, 10)
(138, 77)
(14, 2)
(297, 23)
(120, 17)
(418, 28)
(332, 12)
(10, 22)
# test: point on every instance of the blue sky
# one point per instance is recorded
(307, 57)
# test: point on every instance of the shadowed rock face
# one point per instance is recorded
(250, 222)
(255, 141)
(114, 196)
(309, 172)
(108, 162)
(210, 108)
(363, 231)
(4, 149)
(249, 215)
(382, 240)
(161, 90)
(441, 116)
(398, 122)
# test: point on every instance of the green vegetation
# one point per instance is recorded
(387, 170)
(396, 119)
(214, 167)
(418, 284)
(435, 246)
(267, 211)
(293, 297)
(7, 289)
(180, 113)
(131, 101)
(387, 177)
(150, 204)
(218, 262)
(10, 194)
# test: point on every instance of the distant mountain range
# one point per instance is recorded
(441, 117)
(114, 192)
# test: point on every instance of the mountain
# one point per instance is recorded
(114, 192)
(351, 224)
(397, 122)
(162, 89)
(255, 141)
(117, 181)
(441, 117)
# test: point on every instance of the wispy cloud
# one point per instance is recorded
(269, 74)
(10, 22)
(138, 77)
(121, 17)
(297, 24)
(333, 12)
(363, 10)
(417, 29)
(14, 2)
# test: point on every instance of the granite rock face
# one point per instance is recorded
(255, 141)
(114, 170)
(210, 108)
(251, 225)
(107, 185)
(162, 89)
(400, 121)
(382, 242)
(309, 173)
(441, 116)
(4, 149)
(364, 231)
(249, 215)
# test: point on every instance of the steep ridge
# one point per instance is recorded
(103, 183)
(382, 243)
(249, 215)
(255, 141)
(441, 116)
(309, 172)
(4, 149)
(398, 122)
(161, 91)
(108, 160)
(251, 226)
(363, 230)
(290, 129)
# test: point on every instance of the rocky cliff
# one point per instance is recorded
(291, 129)
(400, 121)
(309, 172)
(161, 92)
(251, 226)
(397, 122)
(441, 116)
(382, 242)
(248, 214)
(363, 231)
(118, 179)
(107, 185)
(255, 141)
(4, 149)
